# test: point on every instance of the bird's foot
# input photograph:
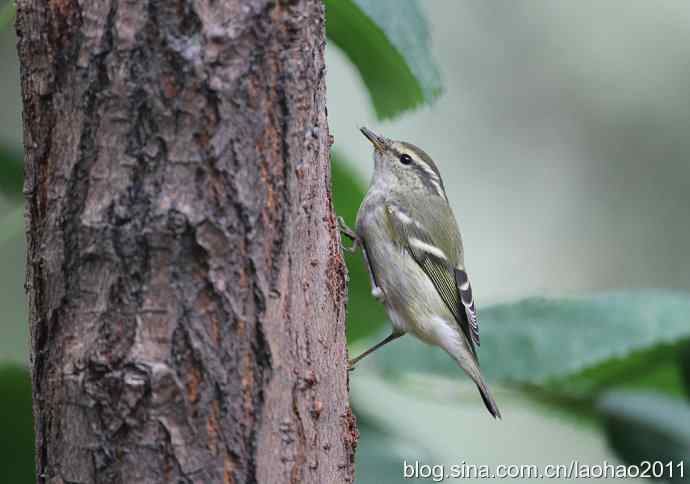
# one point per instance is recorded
(345, 229)
(350, 234)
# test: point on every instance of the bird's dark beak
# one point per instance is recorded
(376, 140)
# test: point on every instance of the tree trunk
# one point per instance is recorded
(185, 280)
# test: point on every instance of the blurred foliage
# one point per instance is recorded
(16, 426)
(11, 160)
(567, 353)
(520, 337)
(379, 452)
(11, 172)
(580, 344)
(7, 12)
(365, 316)
(11, 224)
(684, 356)
(649, 427)
(13, 312)
(388, 42)
(387, 433)
(653, 368)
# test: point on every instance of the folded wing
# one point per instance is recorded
(433, 249)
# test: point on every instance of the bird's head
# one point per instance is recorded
(402, 166)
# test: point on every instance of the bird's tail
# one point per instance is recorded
(487, 397)
(471, 366)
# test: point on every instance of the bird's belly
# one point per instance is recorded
(411, 300)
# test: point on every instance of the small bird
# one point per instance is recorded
(413, 250)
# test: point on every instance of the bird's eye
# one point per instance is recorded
(405, 159)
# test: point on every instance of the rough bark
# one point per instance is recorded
(185, 280)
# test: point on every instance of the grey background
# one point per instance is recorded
(563, 138)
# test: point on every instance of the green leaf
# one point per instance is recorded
(653, 368)
(16, 426)
(365, 315)
(388, 41)
(539, 339)
(11, 172)
(649, 427)
(579, 346)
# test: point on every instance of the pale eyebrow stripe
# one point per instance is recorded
(434, 177)
(425, 165)
(422, 156)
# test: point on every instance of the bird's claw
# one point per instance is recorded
(351, 249)
(345, 229)
(350, 234)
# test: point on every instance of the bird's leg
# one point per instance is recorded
(393, 336)
(376, 291)
(350, 234)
